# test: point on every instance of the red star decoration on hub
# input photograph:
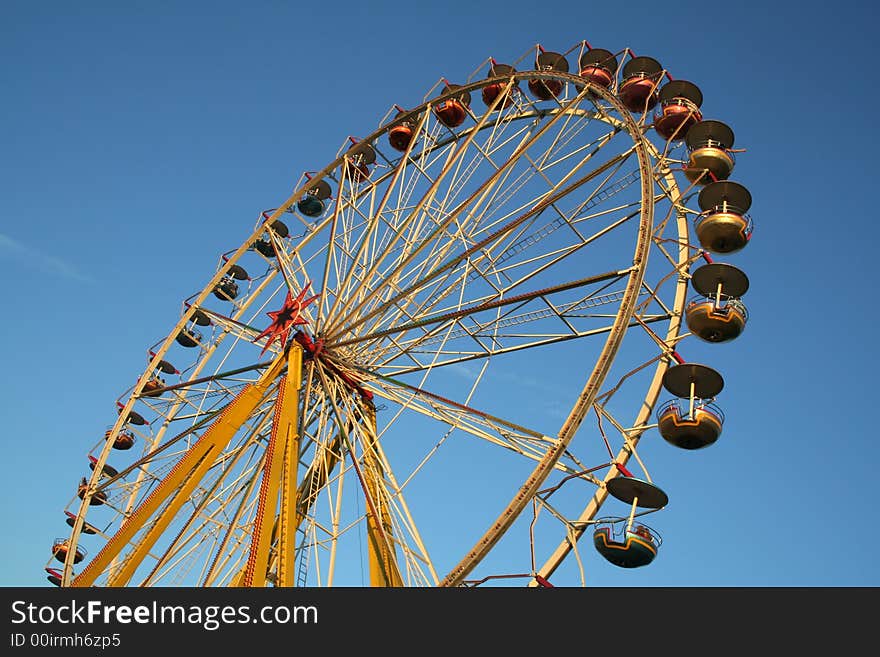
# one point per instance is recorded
(287, 318)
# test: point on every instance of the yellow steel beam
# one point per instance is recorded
(177, 485)
(122, 576)
(314, 479)
(261, 535)
(384, 570)
(382, 556)
(290, 472)
(283, 441)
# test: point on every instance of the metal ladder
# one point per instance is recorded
(302, 569)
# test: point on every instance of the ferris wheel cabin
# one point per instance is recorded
(717, 314)
(86, 527)
(99, 498)
(153, 387)
(690, 428)
(188, 337)
(709, 156)
(638, 89)
(312, 203)
(280, 228)
(400, 135)
(264, 245)
(692, 421)
(627, 548)
(60, 548)
(716, 321)
(200, 318)
(623, 541)
(360, 157)
(454, 110)
(723, 225)
(680, 103)
(165, 367)
(133, 417)
(226, 289)
(599, 66)
(548, 89)
(107, 470)
(123, 440)
(492, 91)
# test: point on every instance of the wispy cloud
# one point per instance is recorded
(11, 249)
(464, 371)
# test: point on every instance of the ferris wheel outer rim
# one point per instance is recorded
(246, 245)
(230, 260)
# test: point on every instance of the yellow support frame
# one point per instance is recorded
(279, 472)
(177, 485)
(314, 479)
(382, 558)
(289, 478)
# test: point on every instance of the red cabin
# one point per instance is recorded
(639, 88)
(492, 91)
(680, 103)
(454, 110)
(400, 135)
(548, 89)
(599, 66)
(360, 157)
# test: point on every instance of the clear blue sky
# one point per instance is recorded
(138, 141)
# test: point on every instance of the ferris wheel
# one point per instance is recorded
(433, 363)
